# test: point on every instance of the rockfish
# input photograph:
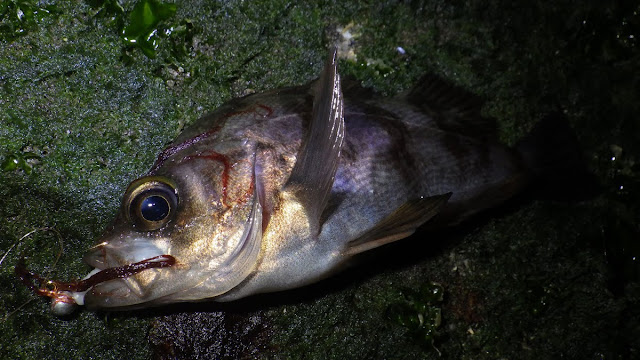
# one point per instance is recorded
(280, 189)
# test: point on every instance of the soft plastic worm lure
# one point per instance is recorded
(62, 294)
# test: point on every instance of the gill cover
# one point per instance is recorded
(242, 260)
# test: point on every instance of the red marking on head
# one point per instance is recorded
(247, 195)
(171, 150)
(263, 110)
(259, 111)
(225, 172)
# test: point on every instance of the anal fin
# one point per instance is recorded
(401, 223)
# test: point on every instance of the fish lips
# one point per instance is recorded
(129, 290)
(110, 294)
(117, 294)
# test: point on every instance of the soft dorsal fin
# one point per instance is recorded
(401, 223)
(452, 107)
(312, 176)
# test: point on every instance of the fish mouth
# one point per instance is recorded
(124, 275)
(117, 287)
(111, 254)
(106, 288)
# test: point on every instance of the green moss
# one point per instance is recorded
(143, 30)
(420, 313)
(20, 161)
(18, 17)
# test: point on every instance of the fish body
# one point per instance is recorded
(278, 190)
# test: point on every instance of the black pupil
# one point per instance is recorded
(154, 208)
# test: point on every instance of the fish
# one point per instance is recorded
(280, 189)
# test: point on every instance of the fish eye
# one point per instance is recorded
(154, 208)
(150, 202)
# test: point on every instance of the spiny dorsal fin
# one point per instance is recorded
(313, 174)
(401, 223)
(452, 107)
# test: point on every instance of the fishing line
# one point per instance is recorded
(50, 269)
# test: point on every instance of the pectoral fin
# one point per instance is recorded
(401, 223)
(313, 174)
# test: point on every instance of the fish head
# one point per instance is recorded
(185, 211)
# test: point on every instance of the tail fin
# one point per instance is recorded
(551, 153)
